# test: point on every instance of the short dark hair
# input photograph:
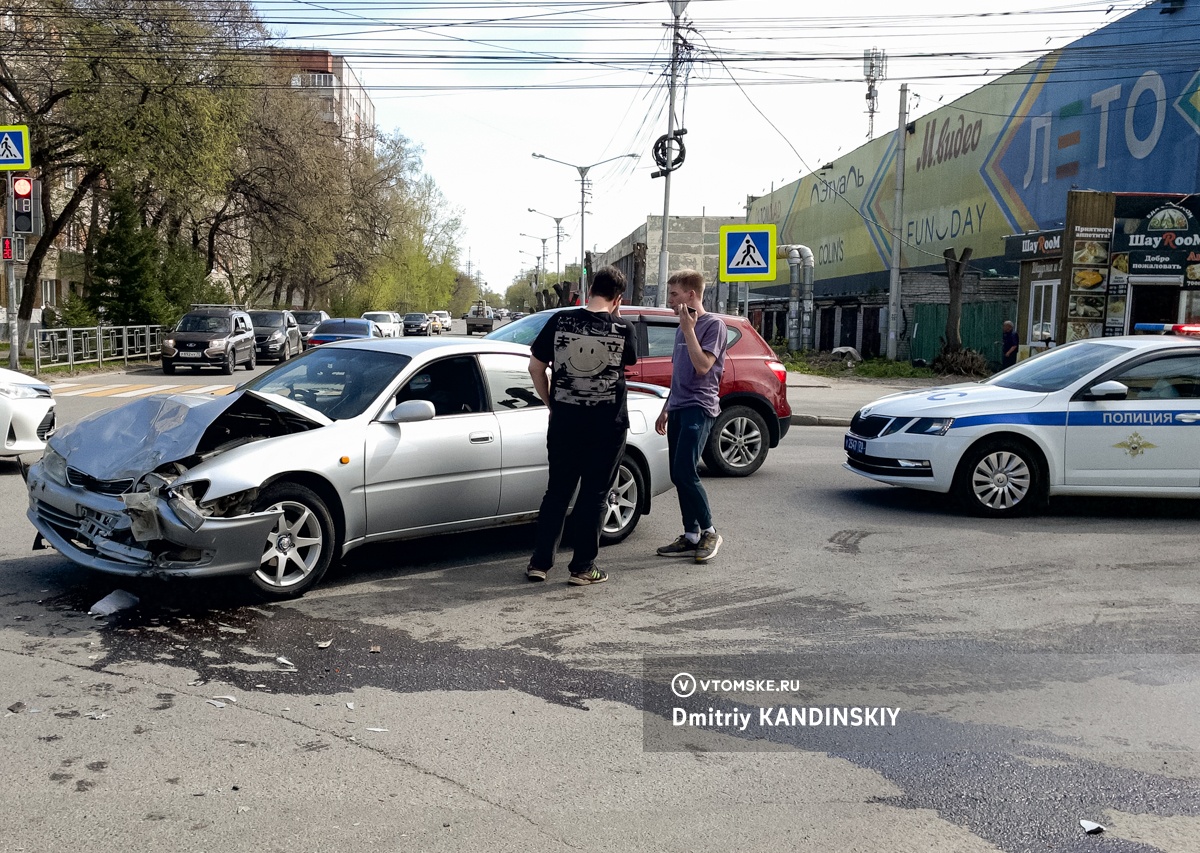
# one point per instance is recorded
(688, 280)
(609, 283)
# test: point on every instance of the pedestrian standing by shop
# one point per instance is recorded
(1009, 345)
(586, 350)
(697, 363)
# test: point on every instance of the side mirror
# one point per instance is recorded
(410, 411)
(1110, 390)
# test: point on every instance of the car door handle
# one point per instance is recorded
(1188, 417)
(482, 438)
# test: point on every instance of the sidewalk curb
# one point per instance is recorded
(819, 420)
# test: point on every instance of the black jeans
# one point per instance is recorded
(584, 454)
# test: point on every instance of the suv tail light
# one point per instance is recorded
(779, 370)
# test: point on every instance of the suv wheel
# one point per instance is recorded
(230, 363)
(738, 443)
(253, 362)
(168, 367)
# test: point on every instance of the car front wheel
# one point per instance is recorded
(623, 509)
(230, 363)
(168, 368)
(300, 547)
(738, 443)
(1001, 478)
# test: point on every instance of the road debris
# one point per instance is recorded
(324, 644)
(217, 703)
(115, 601)
(1092, 828)
(376, 650)
(16, 707)
(232, 699)
(350, 705)
(282, 661)
(97, 715)
(376, 730)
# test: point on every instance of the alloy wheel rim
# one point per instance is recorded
(740, 442)
(293, 548)
(1001, 480)
(622, 501)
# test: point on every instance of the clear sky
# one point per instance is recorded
(772, 90)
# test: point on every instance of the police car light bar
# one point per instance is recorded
(1169, 328)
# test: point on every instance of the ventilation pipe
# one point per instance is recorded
(800, 299)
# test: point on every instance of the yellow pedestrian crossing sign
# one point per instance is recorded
(14, 148)
(747, 253)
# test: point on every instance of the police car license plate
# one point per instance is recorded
(189, 355)
(855, 445)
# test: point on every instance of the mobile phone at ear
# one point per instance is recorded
(690, 309)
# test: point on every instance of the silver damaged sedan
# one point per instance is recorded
(353, 442)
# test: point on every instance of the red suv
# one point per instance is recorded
(755, 413)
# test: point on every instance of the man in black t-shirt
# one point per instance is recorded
(586, 351)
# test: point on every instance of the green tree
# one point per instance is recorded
(126, 289)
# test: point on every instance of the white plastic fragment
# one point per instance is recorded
(1092, 828)
(324, 644)
(350, 705)
(115, 601)
(284, 661)
(376, 730)
(232, 699)
(216, 703)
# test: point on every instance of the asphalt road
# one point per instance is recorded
(1044, 670)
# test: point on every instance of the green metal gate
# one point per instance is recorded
(982, 326)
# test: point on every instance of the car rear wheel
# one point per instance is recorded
(300, 547)
(738, 442)
(623, 510)
(1001, 478)
(253, 362)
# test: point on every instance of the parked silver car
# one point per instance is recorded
(353, 442)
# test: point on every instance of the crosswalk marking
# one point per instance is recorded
(92, 389)
(140, 391)
(56, 385)
(210, 389)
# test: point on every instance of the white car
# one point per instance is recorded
(389, 322)
(1106, 416)
(26, 413)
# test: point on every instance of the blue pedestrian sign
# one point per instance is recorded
(747, 253)
(14, 148)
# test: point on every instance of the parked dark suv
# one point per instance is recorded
(755, 413)
(276, 334)
(210, 336)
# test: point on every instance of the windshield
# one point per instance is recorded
(307, 316)
(343, 327)
(1057, 368)
(413, 318)
(521, 331)
(204, 323)
(378, 316)
(271, 319)
(338, 382)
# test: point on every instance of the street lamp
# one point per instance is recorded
(583, 184)
(558, 235)
(543, 239)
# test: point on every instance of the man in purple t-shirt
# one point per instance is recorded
(697, 363)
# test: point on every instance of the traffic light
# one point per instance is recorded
(8, 249)
(22, 205)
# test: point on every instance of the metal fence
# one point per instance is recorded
(96, 345)
(980, 328)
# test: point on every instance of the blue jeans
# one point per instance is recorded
(687, 435)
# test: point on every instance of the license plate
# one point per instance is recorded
(855, 445)
(189, 355)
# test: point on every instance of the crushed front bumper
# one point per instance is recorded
(103, 533)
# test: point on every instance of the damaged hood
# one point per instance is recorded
(138, 437)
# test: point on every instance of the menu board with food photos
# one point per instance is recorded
(1118, 294)
(1089, 285)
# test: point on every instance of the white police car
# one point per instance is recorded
(1106, 416)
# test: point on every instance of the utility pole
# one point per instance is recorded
(893, 311)
(669, 161)
(10, 277)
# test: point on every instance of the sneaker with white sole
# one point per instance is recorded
(536, 575)
(707, 547)
(588, 577)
